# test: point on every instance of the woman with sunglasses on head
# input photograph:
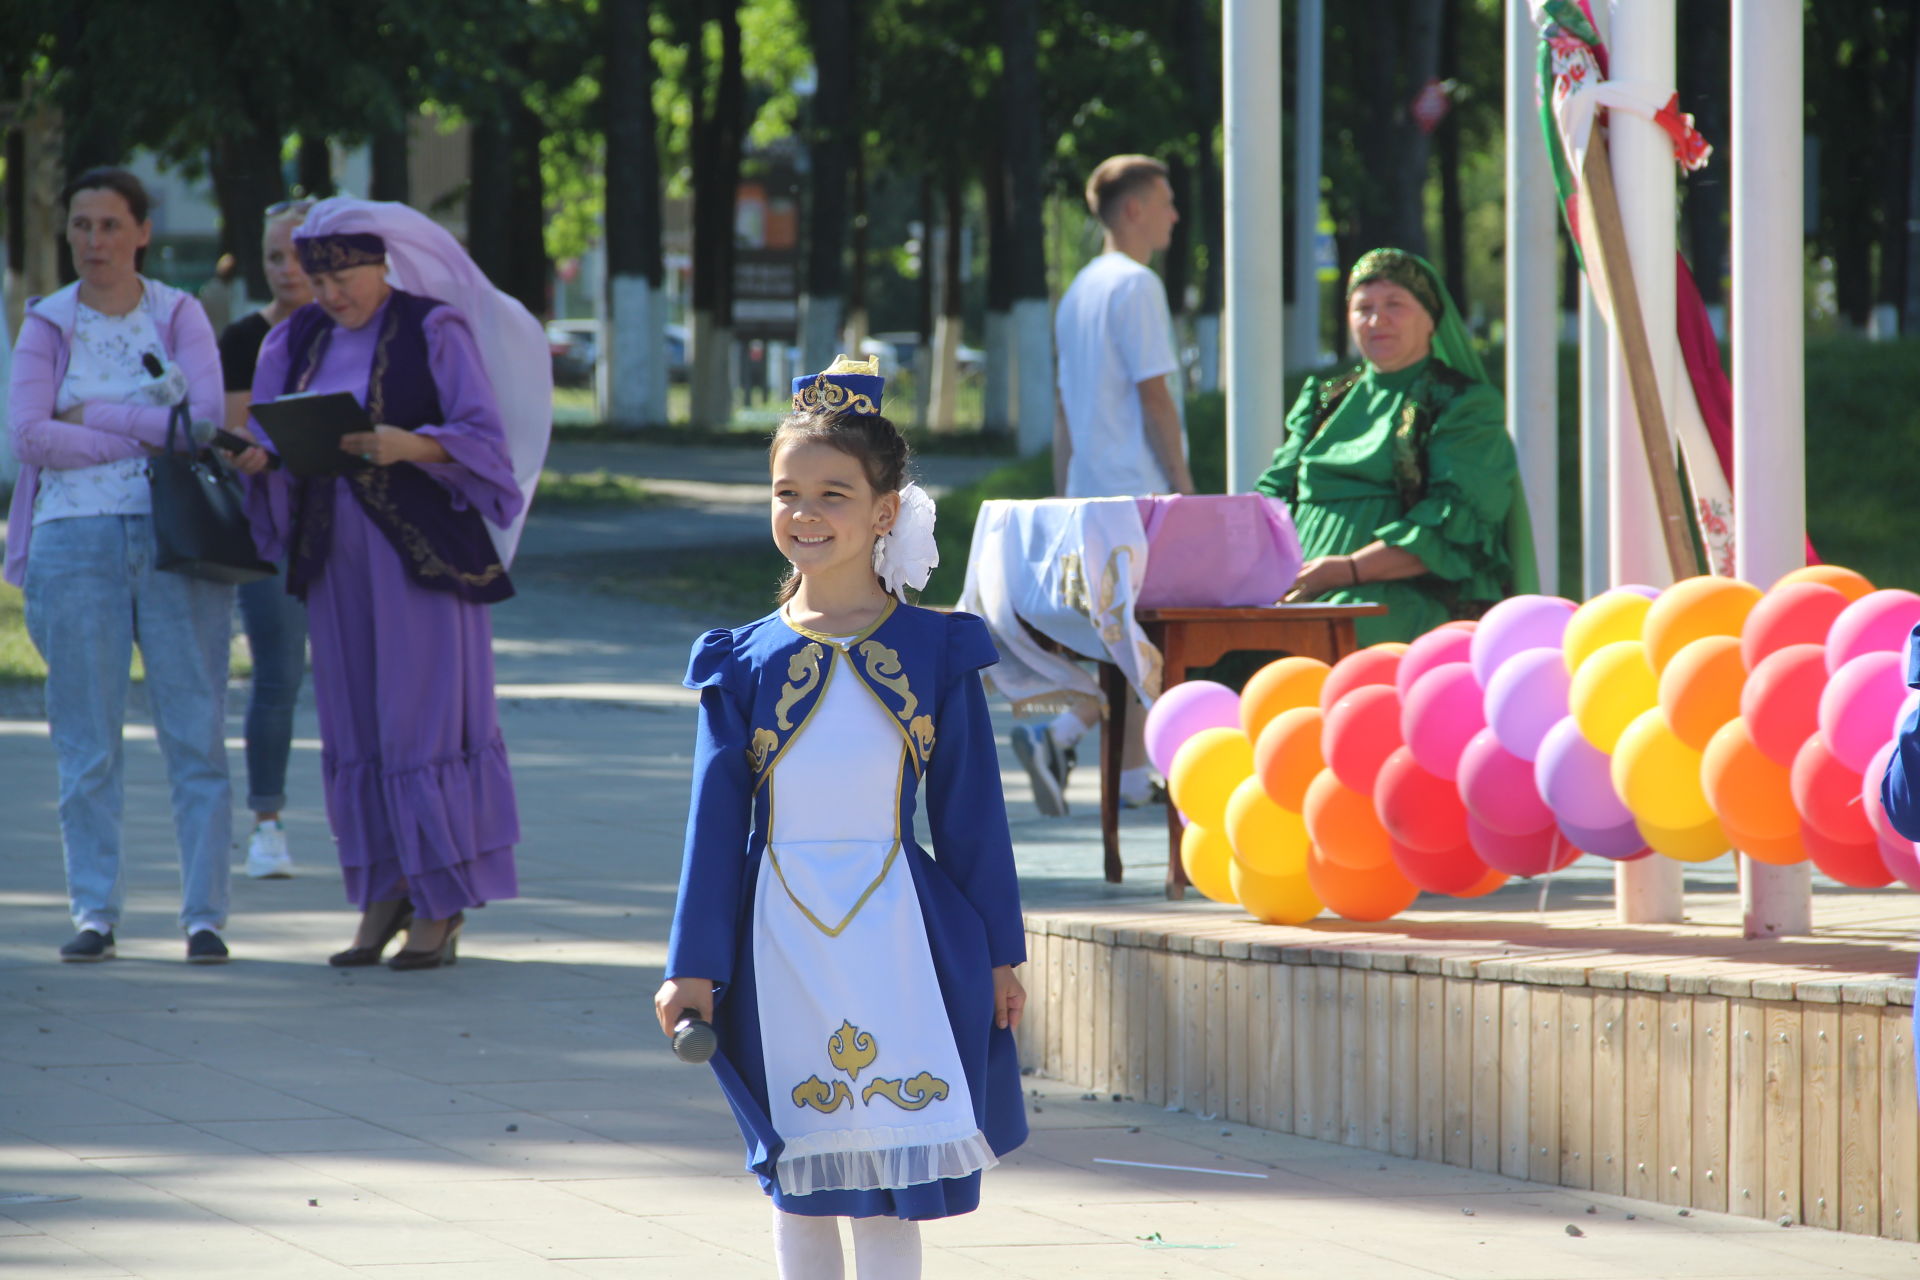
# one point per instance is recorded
(275, 622)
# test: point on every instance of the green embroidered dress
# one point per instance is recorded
(1364, 476)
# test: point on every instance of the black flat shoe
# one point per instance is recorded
(361, 957)
(89, 946)
(447, 953)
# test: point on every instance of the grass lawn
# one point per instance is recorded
(593, 489)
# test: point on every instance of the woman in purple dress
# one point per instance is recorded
(399, 555)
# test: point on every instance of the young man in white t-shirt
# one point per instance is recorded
(1116, 428)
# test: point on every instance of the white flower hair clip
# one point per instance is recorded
(905, 555)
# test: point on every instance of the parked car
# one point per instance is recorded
(575, 347)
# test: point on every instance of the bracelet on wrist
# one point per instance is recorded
(1354, 569)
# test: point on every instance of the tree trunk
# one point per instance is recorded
(856, 331)
(1897, 147)
(997, 406)
(1199, 41)
(489, 178)
(923, 320)
(1032, 327)
(1453, 219)
(633, 354)
(830, 28)
(316, 167)
(716, 160)
(531, 273)
(946, 332)
(246, 179)
(390, 179)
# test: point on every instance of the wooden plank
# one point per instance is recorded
(1196, 1046)
(1080, 1001)
(1576, 1088)
(1513, 1132)
(1820, 1114)
(1058, 1014)
(1306, 1100)
(1354, 1075)
(1376, 1131)
(1259, 1016)
(1543, 1072)
(1100, 1066)
(1784, 1083)
(1747, 1108)
(1456, 1143)
(1860, 1118)
(1487, 1027)
(1327, 1082)
(1711, 1118)
(1403, 1062)
(1642, 1159)
(1430, 1119)
(1154, 1089)
(1238, 1041)
(1899, 1128)
(1220, 1041)
(1139, 1000)
(1031, 1037)
(1609, 1092)
(1280, 978)
(1674, 1175)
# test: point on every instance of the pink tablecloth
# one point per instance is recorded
(1217, 551)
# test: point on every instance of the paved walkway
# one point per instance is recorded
(517, 1116)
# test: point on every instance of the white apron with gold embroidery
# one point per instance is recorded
(863, 1080)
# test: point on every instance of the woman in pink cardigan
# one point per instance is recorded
(85, 414)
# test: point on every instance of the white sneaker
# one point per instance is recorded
(267, 856)
(1047, 767)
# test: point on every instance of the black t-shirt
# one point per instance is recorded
(240, 349)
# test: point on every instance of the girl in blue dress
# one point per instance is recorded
(862, 987)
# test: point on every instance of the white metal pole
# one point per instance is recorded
(1647, 891)
(1769, 376)
(1532, 321)
(1255, 320)
(1595, 566)
(1303, 322)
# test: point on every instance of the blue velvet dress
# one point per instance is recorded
(759, 685)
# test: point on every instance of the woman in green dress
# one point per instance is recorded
(1400, 475)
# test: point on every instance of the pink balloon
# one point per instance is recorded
(1527, 697)
(1441, 712)
(1436, 648)
(1183, 711)
(1498, 789)
(1623, 843)
(1358, 733)
(1532, 853)
(1877, 620)
(1575, 779)
(1857, 703)
(1514, 625)
(1903, 860)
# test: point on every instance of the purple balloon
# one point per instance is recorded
(1183, 711)
(1651, 593)
(1516, 624)
(1526, 697)
(1575, 779)
(1623, 843)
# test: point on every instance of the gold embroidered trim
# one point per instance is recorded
(822, 396)
(803, 674)
(839, 642)
(765, 743)
(883, 668)
(852, 1050)
(908, 1095)
(328, 253)
(814, 1092)
(777, 747)
(374, 484)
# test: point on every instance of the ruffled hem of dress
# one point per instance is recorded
(436, 817)
(1454, 541)
(881, 1168)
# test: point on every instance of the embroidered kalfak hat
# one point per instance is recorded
(845, 386)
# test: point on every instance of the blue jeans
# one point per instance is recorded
(92, 594)
(276, 626)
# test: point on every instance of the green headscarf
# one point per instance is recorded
(1453, 347)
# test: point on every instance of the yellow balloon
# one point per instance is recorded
(1274, 899)
(1609, 689)
(1703, 843)
(1658, 776)
(1265, 838)
(1686, 611)
(1608, 617)
(1206, 769)
(1208, 858)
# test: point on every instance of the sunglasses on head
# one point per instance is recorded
(302, 205)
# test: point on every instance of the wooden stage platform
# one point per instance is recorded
(1680, 1064)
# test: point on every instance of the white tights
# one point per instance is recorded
(808, 1248)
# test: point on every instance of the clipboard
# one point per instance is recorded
(306, 429)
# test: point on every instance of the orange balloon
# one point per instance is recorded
(1749, 791)
(1781, 852)
(1280, 686)
(1848, 583)
(1686, 611)
(1343, 825)
(1286, 756)
(1700, 689)
(1486, 885)
(1376, 894)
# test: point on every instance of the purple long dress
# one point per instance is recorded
(419, 794)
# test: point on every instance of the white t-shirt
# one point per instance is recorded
(104, 363)
(1112, 332)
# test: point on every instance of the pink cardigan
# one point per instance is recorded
(108, 432)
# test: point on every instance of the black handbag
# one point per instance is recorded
(200, 524)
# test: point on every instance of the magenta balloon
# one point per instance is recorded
(1531, 853)
(1441, 713)
(1436, 648)
(1183, 711)
(1575, 779)
(1526, 697)
(1497, 787)
(1899, 853)
(1515, 625)
(1877, 620)
(1857, 703)
(1623, 843)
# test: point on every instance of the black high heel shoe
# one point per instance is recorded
(447, 953)
(360, 957)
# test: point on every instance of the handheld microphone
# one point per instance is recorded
(694, 1040)
(151, 363)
